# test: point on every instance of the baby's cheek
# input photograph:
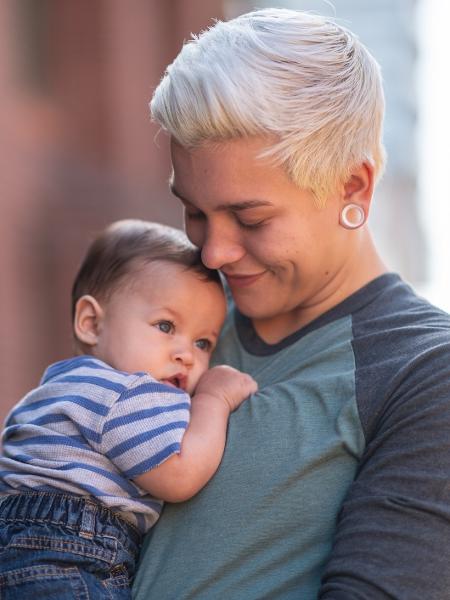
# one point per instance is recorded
(197, 373)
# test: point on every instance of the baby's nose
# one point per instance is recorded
(184, 355)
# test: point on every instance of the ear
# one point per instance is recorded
(358, 189)
(87, 320)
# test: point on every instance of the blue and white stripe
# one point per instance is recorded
(88, 429)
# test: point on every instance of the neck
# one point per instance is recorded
(362, 266)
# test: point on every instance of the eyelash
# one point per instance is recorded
(208, 345)
(169, 323)
(251, 225)
(199, 215)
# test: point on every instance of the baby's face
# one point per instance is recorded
(165, 321)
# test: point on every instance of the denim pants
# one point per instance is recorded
(61, 547)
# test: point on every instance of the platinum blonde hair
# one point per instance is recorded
(300, 80)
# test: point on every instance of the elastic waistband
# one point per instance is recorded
(83, 515)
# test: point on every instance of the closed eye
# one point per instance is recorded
(250, 225)
(250, 218)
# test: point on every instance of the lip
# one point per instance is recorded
(179, 381)
(238, 281)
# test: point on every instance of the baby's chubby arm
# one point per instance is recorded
(219, 392)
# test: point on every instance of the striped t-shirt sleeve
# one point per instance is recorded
(145, 426)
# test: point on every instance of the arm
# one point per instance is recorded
(393, 531)
(220, 391)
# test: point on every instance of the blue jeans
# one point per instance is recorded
(61, 547)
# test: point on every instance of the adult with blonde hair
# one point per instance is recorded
(335, 480)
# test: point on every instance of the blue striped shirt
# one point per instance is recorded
(88, 429)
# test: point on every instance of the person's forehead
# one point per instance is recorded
(184, 294)
(232, 174)
(166, 285)
(166, 277)
(225, 152)
(235, 206)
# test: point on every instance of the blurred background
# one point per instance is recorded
(78, 149)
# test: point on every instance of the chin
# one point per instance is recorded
(255, 311)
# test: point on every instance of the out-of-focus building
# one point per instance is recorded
(77, 151)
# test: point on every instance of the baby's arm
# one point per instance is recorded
(220, 391)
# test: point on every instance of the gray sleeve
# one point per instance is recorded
(393, 532)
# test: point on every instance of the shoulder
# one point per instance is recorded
(91, 375)
(401, 344)
(398, 327)
(90, 383)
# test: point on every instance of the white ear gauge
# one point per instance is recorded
(352, 216)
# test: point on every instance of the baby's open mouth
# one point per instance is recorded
(178, 381)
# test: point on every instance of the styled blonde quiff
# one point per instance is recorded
(298, 79)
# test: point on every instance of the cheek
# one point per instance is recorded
(286, 239)
(203, 363)
(266, 247)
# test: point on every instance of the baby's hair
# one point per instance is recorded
(127, 245)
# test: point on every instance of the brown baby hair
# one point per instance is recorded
(125, 246)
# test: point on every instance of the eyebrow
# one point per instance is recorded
(236, 206)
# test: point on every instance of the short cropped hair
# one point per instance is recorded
(124, 247)
(301, 80)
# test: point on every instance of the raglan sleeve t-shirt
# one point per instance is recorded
(335, 479)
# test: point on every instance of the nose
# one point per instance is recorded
(183, 354)
(220, 248)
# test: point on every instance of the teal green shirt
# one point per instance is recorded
(264, 526)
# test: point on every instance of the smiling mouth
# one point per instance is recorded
(243, 280)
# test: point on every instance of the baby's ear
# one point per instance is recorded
(87, 320)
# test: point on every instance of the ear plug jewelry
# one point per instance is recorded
(352, 216)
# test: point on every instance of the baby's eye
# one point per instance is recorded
(165, 326)
(204, 345)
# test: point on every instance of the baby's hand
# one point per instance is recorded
(228, 384)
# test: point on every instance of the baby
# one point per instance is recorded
(134, 419)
